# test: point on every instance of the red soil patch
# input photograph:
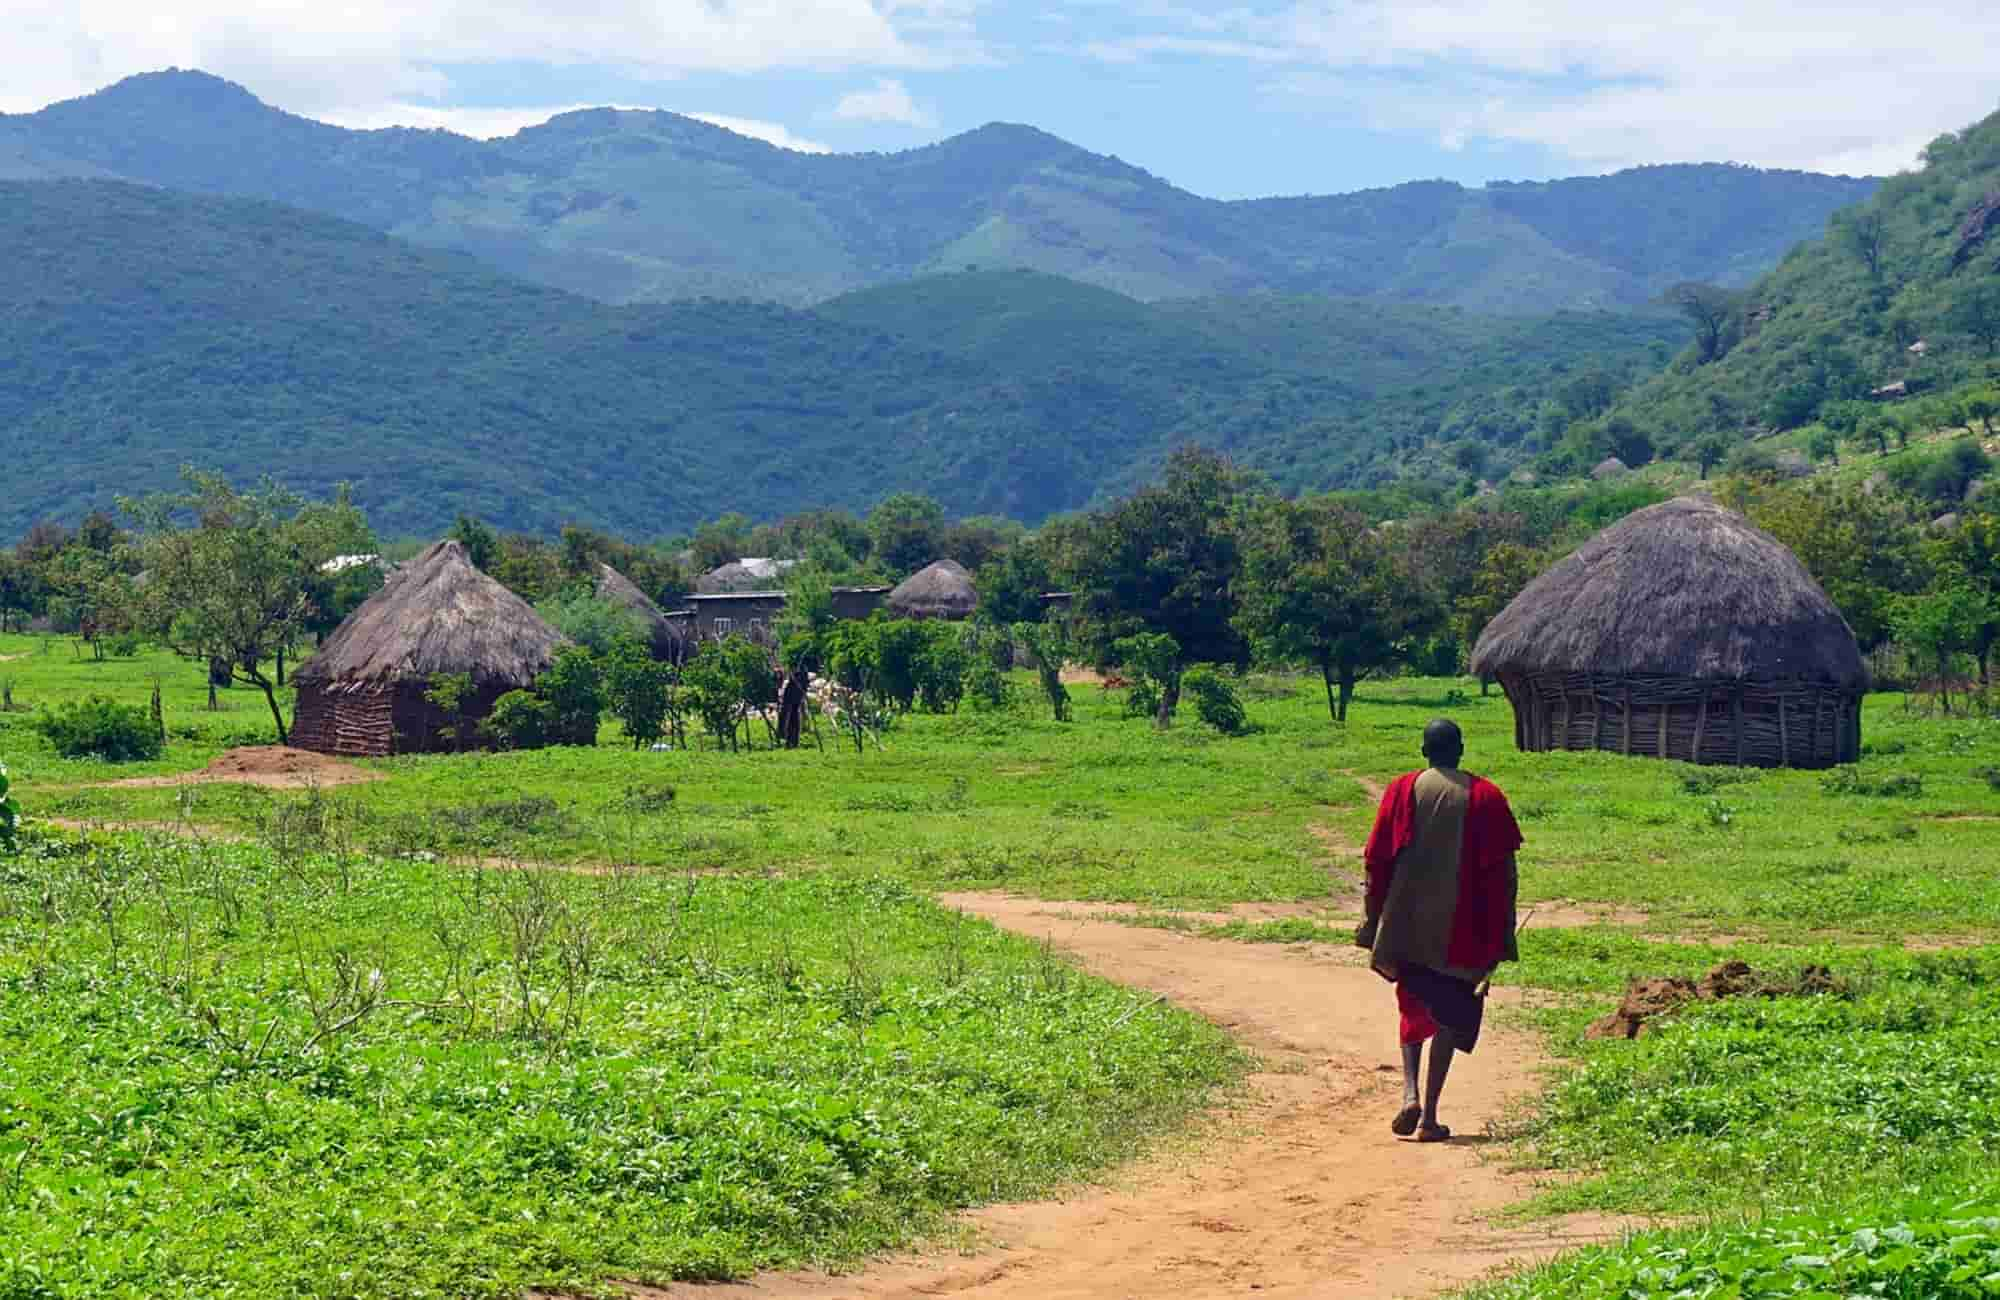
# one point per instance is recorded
(275, 767)
(1646, 1000)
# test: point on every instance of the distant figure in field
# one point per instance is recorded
(1441, 890)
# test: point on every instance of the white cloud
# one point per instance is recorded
(492, 123)
(887, 101)
(1833, 85)
(313, 57)
(768, 132)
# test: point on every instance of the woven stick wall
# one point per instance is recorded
(1748, 724)
(359, 724)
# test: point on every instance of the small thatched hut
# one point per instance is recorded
(940, 590)
(362, 692)
(1681, 631)
(1609, 467)
(667, 641)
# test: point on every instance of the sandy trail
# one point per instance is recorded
(1314, 1198)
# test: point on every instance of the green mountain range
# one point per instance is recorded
(650, 206)
(1902, 290)
(146, 328)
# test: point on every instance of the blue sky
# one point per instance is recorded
(1232, 101)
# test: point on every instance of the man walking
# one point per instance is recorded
(1441, 890)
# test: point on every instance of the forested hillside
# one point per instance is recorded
(150, 328)
(1904, 289)
(640, 206)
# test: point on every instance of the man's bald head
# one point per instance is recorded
(1444, 743)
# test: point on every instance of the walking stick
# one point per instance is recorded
(1486, 985)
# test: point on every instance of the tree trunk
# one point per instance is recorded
(263, 683)
(281, 665)
(1332, 705)
(1346, 692)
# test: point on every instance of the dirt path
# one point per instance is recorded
(1312, 1198)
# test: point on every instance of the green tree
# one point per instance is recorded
(720, 683)
(1011, 585)
(574, 688)
(1942, 624)
(1506, 569)
(1971, 552)
(1165, 560)
(639, 690)
(1708, 451)
(1864, 232)
(905, 533)
(596, 624)
(1714, 313)
(1320, 587)
(720, 541)
(234, 586)
(1153, 659)
(1047, 642)
(1824, 444)
(1861, 547)
(481, 546)
(1975, 311)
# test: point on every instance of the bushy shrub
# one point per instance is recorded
(574, 689)
(1215, 700)
(521, 720)
(941, 668)
(99, 727)
(588, 621)
(1152, 661)
(1848, 780)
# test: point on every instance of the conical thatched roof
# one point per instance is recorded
(1682, 589)
(621, 591)
(940, 590)
(1609, 467)
(437, 614)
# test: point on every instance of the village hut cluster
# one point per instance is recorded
(365, 693)
(1682, 631)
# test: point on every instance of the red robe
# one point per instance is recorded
(1482, 917)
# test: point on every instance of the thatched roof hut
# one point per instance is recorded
(940, 590)
(362, 692)
(1681, 631)
(667, 642)
(1609, 467)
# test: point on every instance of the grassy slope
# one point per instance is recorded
(158, 328)
(641, 206)
(1837, 329)
(1743, 1107)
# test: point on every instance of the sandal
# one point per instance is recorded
(1406, 1119)
(1434, 1133)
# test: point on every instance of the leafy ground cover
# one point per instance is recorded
(229, 1069)
(1814, 1142)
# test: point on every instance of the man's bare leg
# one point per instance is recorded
(1406, 1119)
(1443, 1047)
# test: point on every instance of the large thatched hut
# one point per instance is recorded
(667, 641)
(1681, 631)
(940, 590)
(363, 691)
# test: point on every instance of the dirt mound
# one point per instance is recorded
(1646, 1000)
(276, 767)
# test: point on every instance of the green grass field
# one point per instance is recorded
(758, 1031)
